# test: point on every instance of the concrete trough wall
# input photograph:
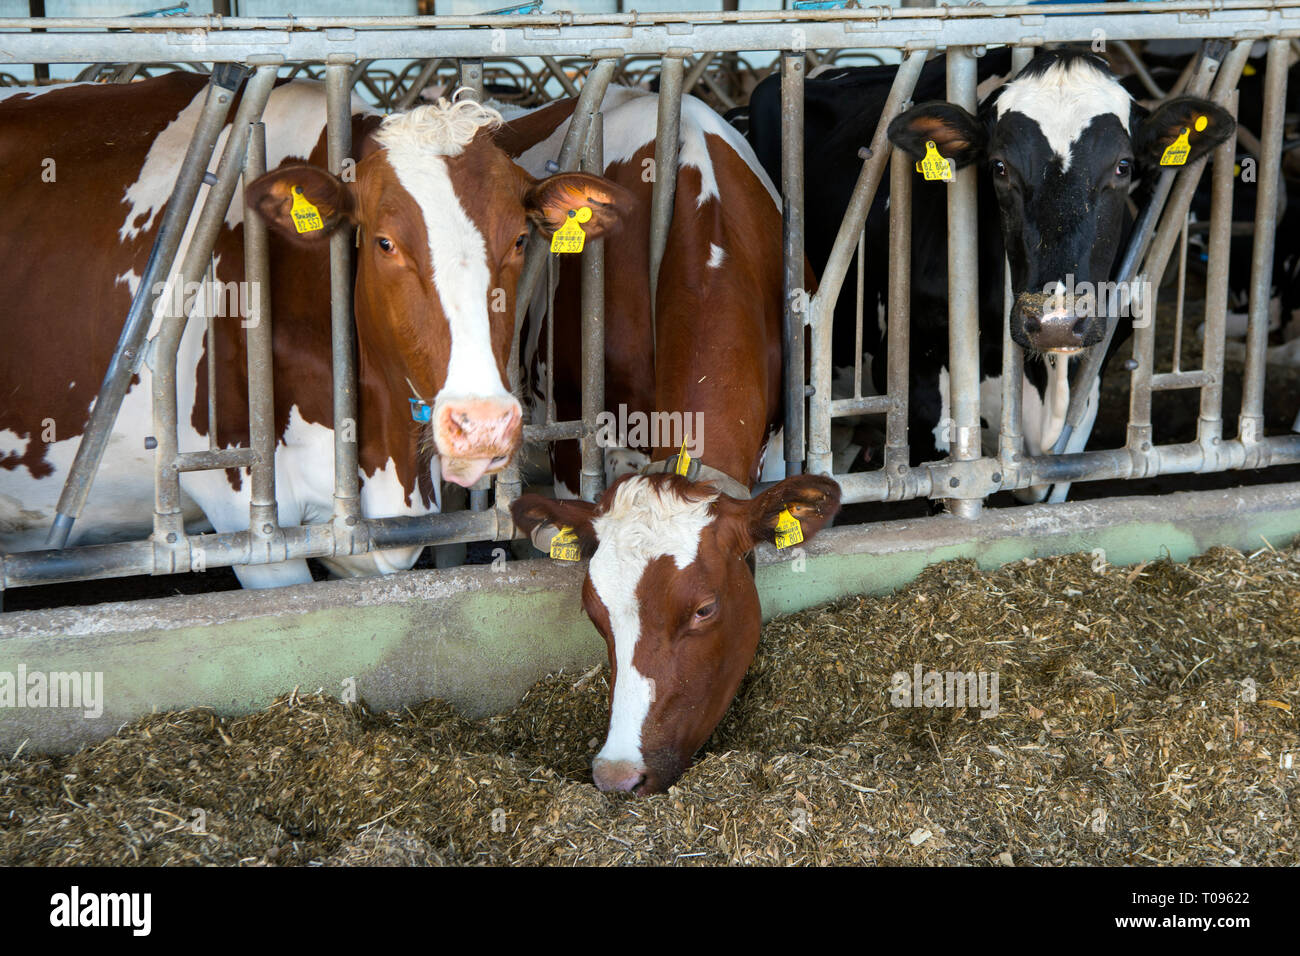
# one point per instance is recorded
(480, 636)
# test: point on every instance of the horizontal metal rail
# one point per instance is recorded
(292, 39)
(682, 47)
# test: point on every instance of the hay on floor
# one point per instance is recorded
(1145, 716)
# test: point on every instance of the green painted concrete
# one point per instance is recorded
(480, 637)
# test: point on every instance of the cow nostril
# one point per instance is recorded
(1033, 324)
(1079, 326)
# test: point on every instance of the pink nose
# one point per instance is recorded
(476, 436)
(620, 775)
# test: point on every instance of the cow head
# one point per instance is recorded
(442, 221)
(1063, 143)
(669, 588)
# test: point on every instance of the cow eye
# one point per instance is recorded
(706, 611)
(519, 243)
(385, 244)
(999, 168)
(1123, 167)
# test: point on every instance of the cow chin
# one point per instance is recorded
(466, 471)
(663, 768)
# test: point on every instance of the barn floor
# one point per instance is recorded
(1129, 732)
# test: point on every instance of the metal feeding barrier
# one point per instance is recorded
(247, 55)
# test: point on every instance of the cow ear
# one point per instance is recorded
(302, 203)
(1206, 124)
(552, 201)
(812, 500)
(534, 512)
(957, 135)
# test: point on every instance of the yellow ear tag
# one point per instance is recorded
(789, 531)
(1176, 153)
(564, 546)
(683, 461)
(570, 237)
(306, 217)
(934, 166)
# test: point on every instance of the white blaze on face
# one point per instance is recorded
(639, 527)
(416, 144)
(1063, 100)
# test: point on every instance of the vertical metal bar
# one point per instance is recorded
(664, 188)
(117, 379)
(796, 296)
(209, 285)
(471, 77)
(1250, 428)
(858, 314)
(1180, 298)
(1210, 424)
(347, 483)
(168, 524)
(897, 451)
(822, 306)
(1011, 427)
(263, 514)
(963, 291)
(592, 480)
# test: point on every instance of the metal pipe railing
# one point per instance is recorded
(794, 285)
(963, 296)
(127, 356)
(822, 307)
(964, 479)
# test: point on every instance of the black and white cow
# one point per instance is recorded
(1059, 148)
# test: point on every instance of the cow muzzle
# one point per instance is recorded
(476, 436)
(1045, 322)
(617, 775)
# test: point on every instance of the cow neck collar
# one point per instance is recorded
(698, 471)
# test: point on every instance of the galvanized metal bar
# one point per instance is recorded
(592, 478)
(795, 293)
(343, 337)
(263, 512)
(1250, 426)
(898, 380)
(117, 379)
(214, 459)
(822, 305)
(663, 190)
(471, 77)
(963, 293)
(316, 38)
(168, 522)
(1140, 434)
(209, 281)
(1209, 428)
(1011, 436)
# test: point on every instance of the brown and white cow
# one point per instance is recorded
(85, 172)
(668, 583)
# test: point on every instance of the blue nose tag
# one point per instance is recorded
(421, 411)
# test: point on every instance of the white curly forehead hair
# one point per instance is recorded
(439, 129)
